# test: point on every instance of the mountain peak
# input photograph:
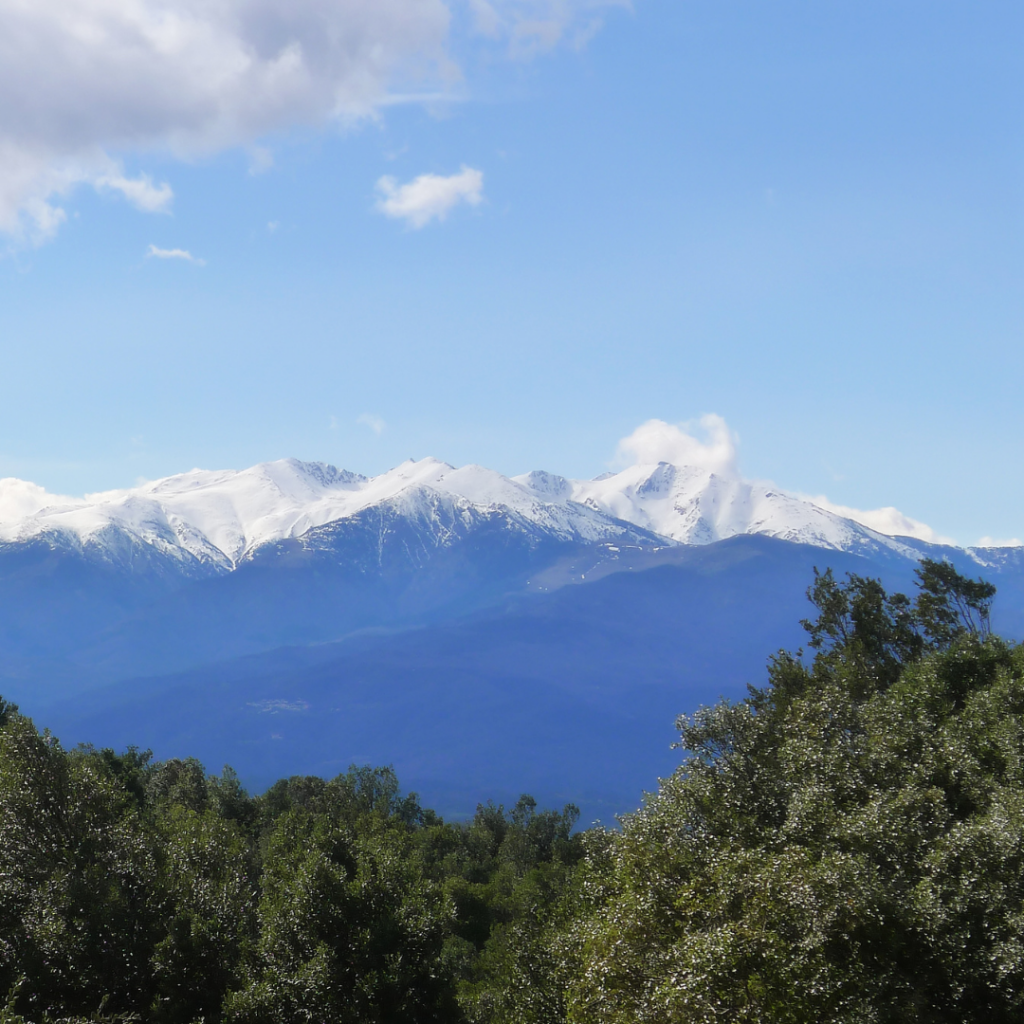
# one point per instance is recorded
(545, 485)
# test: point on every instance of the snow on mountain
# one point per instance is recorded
(211, 516)
(695, 505)
(217, 518)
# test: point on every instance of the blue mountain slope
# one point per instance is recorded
(72, 618)
(570, 694)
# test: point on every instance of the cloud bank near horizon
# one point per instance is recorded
(21, 498)
(890, 521)
(85, 83)
(375, 423)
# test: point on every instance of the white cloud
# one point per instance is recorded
(992, 542)
(84, 83)
(174, 254)
(375, 423)
(890, 521)
(140, 191)
(43, 221)
(20, 498)
(28, 183)
(430, 196)
(707, 443)
(31, 181)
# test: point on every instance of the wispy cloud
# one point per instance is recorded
(39, 221)
(430, 196)
(32, 186)
(486, 19)
(375, 423)
(261, 160)
(174, 254)
(140, 191)
(992, 542)
(529, 27)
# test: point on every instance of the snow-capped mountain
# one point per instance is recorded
(219, 518)
(697, 506)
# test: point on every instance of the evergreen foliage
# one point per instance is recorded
(844, 845)
(847, 844)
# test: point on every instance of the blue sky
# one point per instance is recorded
(805, 218)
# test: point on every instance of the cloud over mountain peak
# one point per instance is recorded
(707, 443)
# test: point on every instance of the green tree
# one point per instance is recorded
(78, 880)
(211, 891)
(514, 897)
(350, 931)
(847, 844)
(951, 605)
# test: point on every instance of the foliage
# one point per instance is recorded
(78, 880)
(847, 844)
(134, 890)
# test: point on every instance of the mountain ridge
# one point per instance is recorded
(209, 520)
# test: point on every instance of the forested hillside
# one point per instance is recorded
(846, 844)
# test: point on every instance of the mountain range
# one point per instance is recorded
(214, 521)
(484, 633)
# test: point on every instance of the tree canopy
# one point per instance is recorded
(846, 844)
